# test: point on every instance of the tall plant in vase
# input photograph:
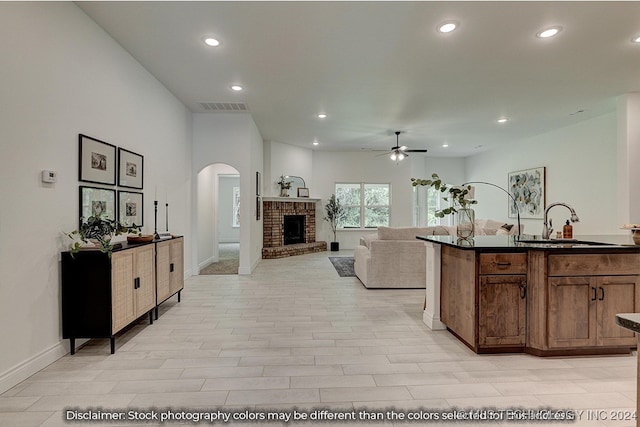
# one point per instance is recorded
(461, 198)
(334, 213)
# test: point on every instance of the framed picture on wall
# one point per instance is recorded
(258, 183)
(97, 161)
(130, 208)
(235, 218)
(131, 168)
(97, 202)
(528, 190)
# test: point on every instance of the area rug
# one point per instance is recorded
(343, 265)
(229, 254)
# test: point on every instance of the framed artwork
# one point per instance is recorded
(130, 208)
(303, 192)
(235, 219)
(528, 189)
(258, 208)
(258, 183)
(131, 168)
(97, 202)
(97, 161)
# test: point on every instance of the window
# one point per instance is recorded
(366, 205)
(426, 201)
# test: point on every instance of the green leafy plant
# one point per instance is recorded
(458, 195)
(102, 230)
(284, 185)
(334, 213)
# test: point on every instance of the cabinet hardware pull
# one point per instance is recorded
(171, 268)
(595, 296)
(136, 283)
(503, 264)
(601, 293)
(523, 290)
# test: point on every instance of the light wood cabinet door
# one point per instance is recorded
(176, 265)
(502, 310)
(123, 309)
(144, 279)
(615, 294)
(162, 270)
(572, 312)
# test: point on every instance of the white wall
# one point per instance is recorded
(62, 75)
(331, 167)
(226, 232)
(284, 159)
(580, 163)
(233, 139)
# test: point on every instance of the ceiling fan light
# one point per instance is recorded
(394, 156)
(400, 156)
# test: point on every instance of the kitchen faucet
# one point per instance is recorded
(547, 226)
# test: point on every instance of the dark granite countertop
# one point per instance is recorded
(584, 243)
(629, 321)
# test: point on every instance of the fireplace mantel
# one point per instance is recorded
(290, 199)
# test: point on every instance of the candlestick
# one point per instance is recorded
(155, 220)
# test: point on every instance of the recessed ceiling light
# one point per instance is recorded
(445, 145)
(322, 116)
(447, 27)
(503, 119)
(549, 32)
(636, 39)
(211, 41)
(316, 143)
(237, 88)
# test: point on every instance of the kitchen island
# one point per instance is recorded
(548, 298)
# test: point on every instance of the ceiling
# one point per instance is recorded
(380, 67)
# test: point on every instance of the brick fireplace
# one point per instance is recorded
(300, 216)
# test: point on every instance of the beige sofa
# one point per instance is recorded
(394, 258)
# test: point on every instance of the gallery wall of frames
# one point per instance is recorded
(115, 174)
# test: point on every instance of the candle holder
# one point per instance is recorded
(155, 220)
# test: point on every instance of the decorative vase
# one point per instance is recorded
(466, 223)
(284, 192)
(636, 237)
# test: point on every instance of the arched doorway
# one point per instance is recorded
(218, 216)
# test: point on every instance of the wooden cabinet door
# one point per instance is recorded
(502, 310)
(162, 271)
(123, 310)
(145, 275)
(615, 294)
(572, 312)
(176, 266)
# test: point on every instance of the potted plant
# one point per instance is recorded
(461, 200)
(101, 231)
(334, 214)
(284, 186)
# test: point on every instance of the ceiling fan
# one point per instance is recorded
(399, 152)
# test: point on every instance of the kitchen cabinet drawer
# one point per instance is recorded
(503, 263)
(594, 264)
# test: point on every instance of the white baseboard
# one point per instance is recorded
(25, 369)
(206, 262)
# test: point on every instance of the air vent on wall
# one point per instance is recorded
(226, 107)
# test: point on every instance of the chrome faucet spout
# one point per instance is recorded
(547, 225)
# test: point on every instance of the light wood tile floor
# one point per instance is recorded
(294, 334)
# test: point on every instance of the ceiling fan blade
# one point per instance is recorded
(416, 151)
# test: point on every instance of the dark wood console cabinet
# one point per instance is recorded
(102, 295)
